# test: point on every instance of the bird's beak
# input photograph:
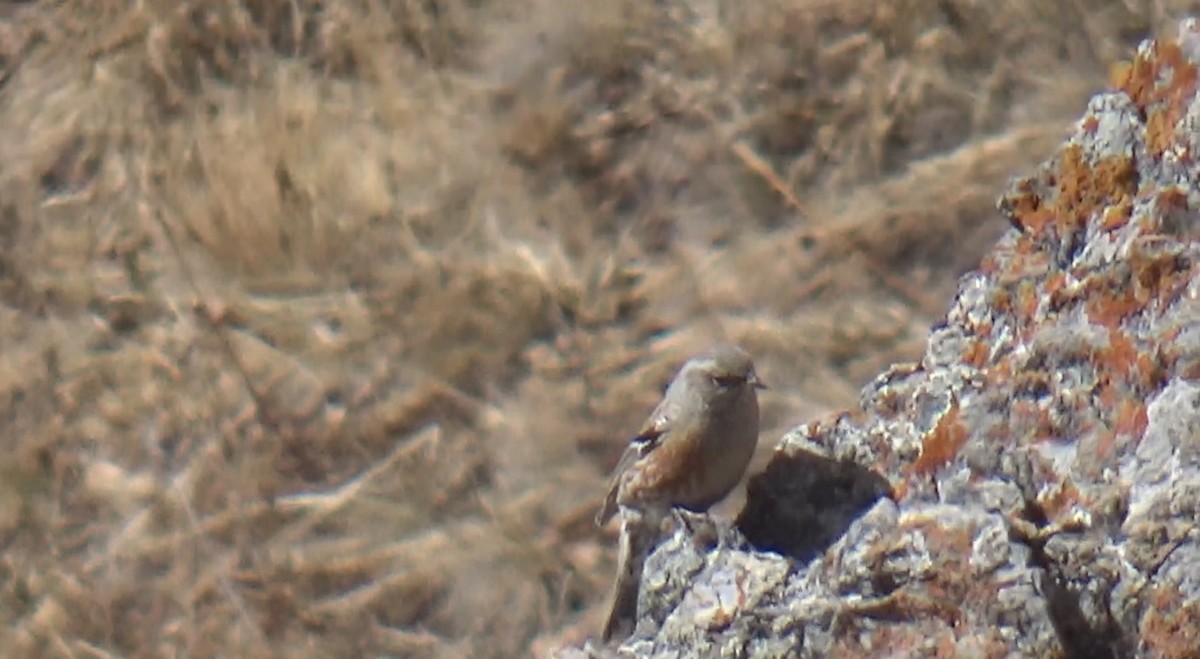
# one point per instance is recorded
(757, 383)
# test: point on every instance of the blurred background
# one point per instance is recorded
(323, 321)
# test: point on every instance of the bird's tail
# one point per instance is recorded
(639, 532)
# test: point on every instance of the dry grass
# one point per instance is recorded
(322, 321)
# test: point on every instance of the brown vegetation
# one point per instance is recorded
(321, 322)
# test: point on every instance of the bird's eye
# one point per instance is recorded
(728, 380)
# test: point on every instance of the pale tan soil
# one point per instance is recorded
(322, 322)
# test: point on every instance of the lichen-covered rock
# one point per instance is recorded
(1032, 487)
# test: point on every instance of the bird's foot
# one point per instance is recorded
(700, 527)
(707, 531)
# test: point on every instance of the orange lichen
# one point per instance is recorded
(1106, 441)
(1120, 356)
(1000, 372)
(1159, 271)
(1107, 395)
(1163, 100)
(1027, 300)
(1002, 301)
(1026, 266)
(1084, 189)
(1150, 372)
(1060, 499)
(1117, 215)
(1182, 86)
(1165, 599)
(1183, 80)
(1130, 418)
(1110, 307)
(1134, 78)
(1036, 220)
(1149, 224)
(1041, 425)
(1140, 78)
(976, 354)
(942, 443)
(1024, 246)
(1091, 124)
(1055, 283)
(1160, 129)
(1171, 199)
(1168, 629)
(1026, 209)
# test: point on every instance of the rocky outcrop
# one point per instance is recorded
(1032, 487)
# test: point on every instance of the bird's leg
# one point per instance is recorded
(682, 520)
(705, 527)
(729, 536)
(700, 527)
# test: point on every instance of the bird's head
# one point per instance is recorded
(726, 372)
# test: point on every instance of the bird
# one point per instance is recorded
(689, 454)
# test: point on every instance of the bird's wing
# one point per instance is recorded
(640, 446)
